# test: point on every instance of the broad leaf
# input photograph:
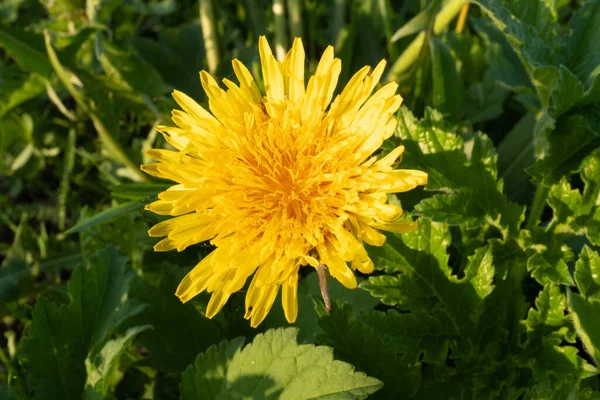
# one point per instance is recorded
(274, 366)
(60, 338)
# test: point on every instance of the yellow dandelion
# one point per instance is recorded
(280, 181)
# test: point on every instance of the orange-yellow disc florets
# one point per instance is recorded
(280, 181)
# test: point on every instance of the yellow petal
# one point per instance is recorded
(196, 280)
(295, 72)
(289, 297)
(271, 72)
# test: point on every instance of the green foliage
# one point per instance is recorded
(273, 366)
(495, 296)
(61, 337)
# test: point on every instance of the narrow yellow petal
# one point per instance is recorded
(271, 72)
(385, 164)
(246, 80)
(295, 73)
(289, 297)
(196, 280)
(397, 227)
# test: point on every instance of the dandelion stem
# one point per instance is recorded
(209, 34)
(462, 18)
(280, 29)
(539, 202)
(322, 274)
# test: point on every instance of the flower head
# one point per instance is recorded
(280, 181)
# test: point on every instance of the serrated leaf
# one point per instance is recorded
(207, 375)
(416, 336)
(274, 366)
(583, 55)
(585, 318)
(554, 364)
(587, 273)
(60, 338)
(102, 363)
(576, 213)
(464, 173)
(179, 331)
(106, 216)
(361, 344)
(558, 145)
(424, 282)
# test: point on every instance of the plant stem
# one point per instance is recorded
(295, 18)
(462, 18)
(339, 11)
(280, 29)
(539, 202)
(209, 34)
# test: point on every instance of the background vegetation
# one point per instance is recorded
(497, 295)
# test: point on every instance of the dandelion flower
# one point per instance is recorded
(280, 181)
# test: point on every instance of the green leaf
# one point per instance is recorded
(131, 71)
(587, 273)
(27, 49)
(177, 55)
(180, 331)
(465, 173)
(416, 336)
(105, 216)
(554, 364)
(418, 23)
(310, 306)
(585, 318)
(576, 213)
(583, 56)
(137, 191)
(14, 269)
(446, 93)
(274, 366)
(60, 338)
(102, 363)
(361, 344)
(206, 377)
(423, 282)
(30, 89)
